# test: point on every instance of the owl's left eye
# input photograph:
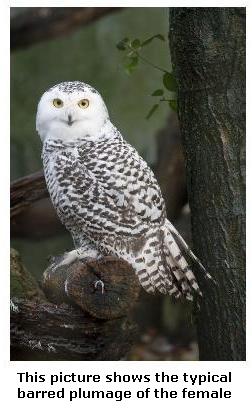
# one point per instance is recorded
(58, 103)
(83, 103)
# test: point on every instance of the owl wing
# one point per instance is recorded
(134, 198)
(128, 184)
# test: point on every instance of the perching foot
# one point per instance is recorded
(69, 257)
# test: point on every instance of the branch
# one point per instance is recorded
(83, 323)
(42, 23)
(32, 213)
(44, 331)
(25, 191)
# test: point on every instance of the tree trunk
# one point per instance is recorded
(208, 55)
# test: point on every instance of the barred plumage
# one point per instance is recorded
(105, 193)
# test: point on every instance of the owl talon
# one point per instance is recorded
(53, 267)
(99, 282)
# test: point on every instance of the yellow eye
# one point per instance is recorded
(58, 103)
(84, 103)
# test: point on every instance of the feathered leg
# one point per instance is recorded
(85, 251)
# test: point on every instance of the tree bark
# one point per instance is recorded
(107, 288)
(25, 191)
(44, 331)
(84, 323)
(208, 55)
(41, 23)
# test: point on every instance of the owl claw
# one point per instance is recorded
(99, 282)
(53, 267)
(68, 258)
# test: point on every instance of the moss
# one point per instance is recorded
(22, 283)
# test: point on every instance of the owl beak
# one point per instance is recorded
(70, 120)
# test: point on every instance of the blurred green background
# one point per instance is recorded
(90, 55)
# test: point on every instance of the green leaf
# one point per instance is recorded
(173, 104)
(158, 92)
(169, 82)
(133, 62)
(131, 65)
(149, 40)
(153, 109)
(122, 45)
(136, 43)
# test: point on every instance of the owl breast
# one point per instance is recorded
(104, 190)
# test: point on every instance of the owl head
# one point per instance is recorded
(69, 111)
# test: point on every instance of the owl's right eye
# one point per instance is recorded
(58, 103)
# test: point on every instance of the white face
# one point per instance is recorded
(69, 111)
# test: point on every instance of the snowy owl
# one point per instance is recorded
(105, 194)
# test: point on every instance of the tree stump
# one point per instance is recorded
(82, 321)
(106, 289)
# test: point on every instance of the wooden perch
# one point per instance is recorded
(106, 289)
(44, 331)
(41, 23)
(41, 330)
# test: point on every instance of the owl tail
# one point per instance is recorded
(163, 266)
(176, 261)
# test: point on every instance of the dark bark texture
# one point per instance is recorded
(106, 288)
(25, 191)
(84, 323)
(44, 331)
(208, 55)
